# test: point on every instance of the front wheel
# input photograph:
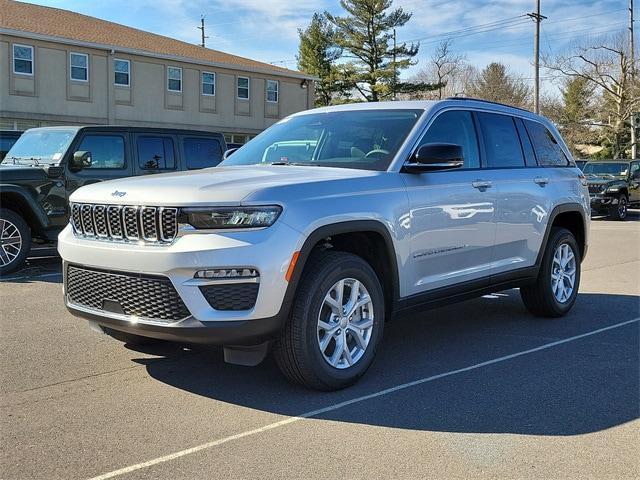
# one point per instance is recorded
(335, 325)
(556, 288)
(619, 211)
(15, 240)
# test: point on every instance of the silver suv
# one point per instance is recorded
(307, 239)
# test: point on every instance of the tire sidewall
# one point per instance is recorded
(25, 233)
(330, 274)
(560, 237)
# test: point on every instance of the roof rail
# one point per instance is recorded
(489, 101)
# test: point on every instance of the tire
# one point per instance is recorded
(15, 241)
(298, 351)
(540, 298)
(619, 212)
(129, 338)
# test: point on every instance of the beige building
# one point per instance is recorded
(61, 68)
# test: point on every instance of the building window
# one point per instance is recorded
(174, 79)
(23, 59)
(122, 70)
(79, 63)
(208, 83)
(272, 91)
(243, 88)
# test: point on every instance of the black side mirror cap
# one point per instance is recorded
(436, 156)
(81, 159)
(228, 153)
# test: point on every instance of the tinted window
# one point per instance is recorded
(501, 141)
(456, 127)
(546, 146)
(155, 153)
(527, 148)
(6, 143)
(107, 151)
(202, 152)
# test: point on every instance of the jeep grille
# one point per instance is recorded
(125, 223)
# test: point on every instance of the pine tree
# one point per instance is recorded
(366, 35)
(577, 114)
(317, 55)
(496, 84)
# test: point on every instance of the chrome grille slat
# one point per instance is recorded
(125, 223)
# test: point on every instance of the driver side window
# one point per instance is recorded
(457, 127)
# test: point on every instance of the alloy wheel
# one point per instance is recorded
(563, 273)
(622, 207)
(345, 323)
(10, 242)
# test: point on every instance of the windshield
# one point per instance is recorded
(42, 146)
(365, 139)
(609, 168)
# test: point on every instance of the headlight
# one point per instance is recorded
(215, 218)
(613, 189)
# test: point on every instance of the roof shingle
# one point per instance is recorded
(56, 22)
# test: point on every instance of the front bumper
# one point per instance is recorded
(599, 202)
(268, 250)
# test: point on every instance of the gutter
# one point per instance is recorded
(145, 53)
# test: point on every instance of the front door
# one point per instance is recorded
(452, 212)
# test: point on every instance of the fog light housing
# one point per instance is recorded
(228, 273)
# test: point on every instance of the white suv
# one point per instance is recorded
(329, 223)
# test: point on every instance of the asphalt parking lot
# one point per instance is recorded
(479, 389)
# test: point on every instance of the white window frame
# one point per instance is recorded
(170, 67)
(277, 91)
(202, 84)
(86, 55)
(128, 62)
(248, 87)
(33, 63)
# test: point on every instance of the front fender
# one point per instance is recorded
(31, 209)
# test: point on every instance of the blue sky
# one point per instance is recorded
(266, 30)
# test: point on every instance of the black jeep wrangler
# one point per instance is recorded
(47, 164)
(614, 186)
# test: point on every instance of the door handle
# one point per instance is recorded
(481, 184)
(542, 181)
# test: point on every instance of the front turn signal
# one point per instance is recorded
(292, 266)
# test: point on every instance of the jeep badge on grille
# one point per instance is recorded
(118, 194)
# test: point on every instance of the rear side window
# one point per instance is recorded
(457, 127)
(202, 152)
(501, 141)
(107, 151)
(546, 146)
(156, 153)
(527, 148)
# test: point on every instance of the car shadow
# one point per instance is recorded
(577, 387)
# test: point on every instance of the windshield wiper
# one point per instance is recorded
(33, 160)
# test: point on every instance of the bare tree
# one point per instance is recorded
(445, 70)
(605, 64)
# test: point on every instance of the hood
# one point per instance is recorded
(10, 173)
(211, 186)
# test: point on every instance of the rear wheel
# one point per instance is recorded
(335, 325)
(15, 240)
(619, 211)
(556, 288)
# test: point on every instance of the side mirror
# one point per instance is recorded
(80, 160)
(436, 156)
(228, 153)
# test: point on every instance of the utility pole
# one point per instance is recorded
(395, 70)
(632, 53)
(536, 56)
(201, 28)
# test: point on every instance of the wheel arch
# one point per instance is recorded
(572, 217)
(16, 199)
(376, 247)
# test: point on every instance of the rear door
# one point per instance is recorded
(452, 212)
(110, 158)
(154, 153)
(634, 182)
(522, 191)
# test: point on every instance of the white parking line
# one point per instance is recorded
(25, 277)
(336, 406)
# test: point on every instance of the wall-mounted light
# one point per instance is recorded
(303, 84)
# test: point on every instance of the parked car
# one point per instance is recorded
(46, 165)
(400, 206)
(614, 186)
(7, 139)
